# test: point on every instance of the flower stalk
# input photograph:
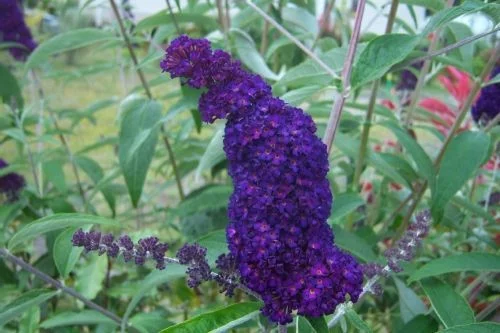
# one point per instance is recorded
(338, 105)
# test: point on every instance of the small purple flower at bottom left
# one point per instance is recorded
(11, 184)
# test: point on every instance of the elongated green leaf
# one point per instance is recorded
(353, 243)
(213, 154)
(138, 115)
(344, 204)
(29, 320)
(297, 96)
(55, 222)
(420, 324)
(66, 41)
(357, 321)
(216, 244)
(472, 207)
(23, 303)
(467, 150)
(151, 281)
(91, 277)
(474, 328)
(473, 261)
(150, 322)
(208, 198)
(410, 304)
(318, 324)
(431, 4)
(422, 161)
(451, 307)
(163, 17)
(85, 317)
(95, 172)
(380, 55)
(247, 52)
(9, 88)
(219, 320)
(300, 17)
(65, 254)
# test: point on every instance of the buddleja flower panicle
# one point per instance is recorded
(278, 236)
(487, 106)
(11, 184)
(13, 28)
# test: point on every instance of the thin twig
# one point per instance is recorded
(492, 123)
(287, 34)
(415, 96)
(58, 285)
(338, 105)
(448, 48)
(149, 94)
(487, 310)
(63, 140)
(172, 16)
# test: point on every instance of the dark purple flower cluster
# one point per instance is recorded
(11, 184)
(408, 80)
(487, 106)
(228, 273)
(146, 248)
(278, 234)
(405, 248)
(194, 256)
(14, 29)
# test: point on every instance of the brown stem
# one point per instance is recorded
(172, 16)
(148, 93)
(338, 105)
(58, 285)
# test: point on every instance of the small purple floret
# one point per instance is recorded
(11, 184)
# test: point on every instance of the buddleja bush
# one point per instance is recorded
(268, 169)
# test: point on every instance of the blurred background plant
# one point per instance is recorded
(406, 142)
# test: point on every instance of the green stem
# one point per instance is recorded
(145, 85)
(456, 126)
(369, 115)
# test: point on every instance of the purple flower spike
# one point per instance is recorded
(278, 236)
(11, 184)
(14, 29)
(487, 106)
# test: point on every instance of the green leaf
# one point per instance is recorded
(65, 254)
(357, 321)
(420, 324)
(297, 96)
(353, 243)
(431, 4)
(247, 52)
(53, 171)
(302, 18)
(9, 88)
(151, 281)
(410, 304)
(14, 309)
(69, 318)
(344, 204)
(212, 155)
(473, 261)
(151, 322)
(216, 244)
(208, 198)
(219, 320)
(164, 17)
(29, 320)
(465, 203)
(451, 307)
(380, 55)
(467, 150)
(138, 115)
(55, 222)
(318, 324)
(422, 161)
(485, 327)
(94, 171)
(66, 41)
(91, 277)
